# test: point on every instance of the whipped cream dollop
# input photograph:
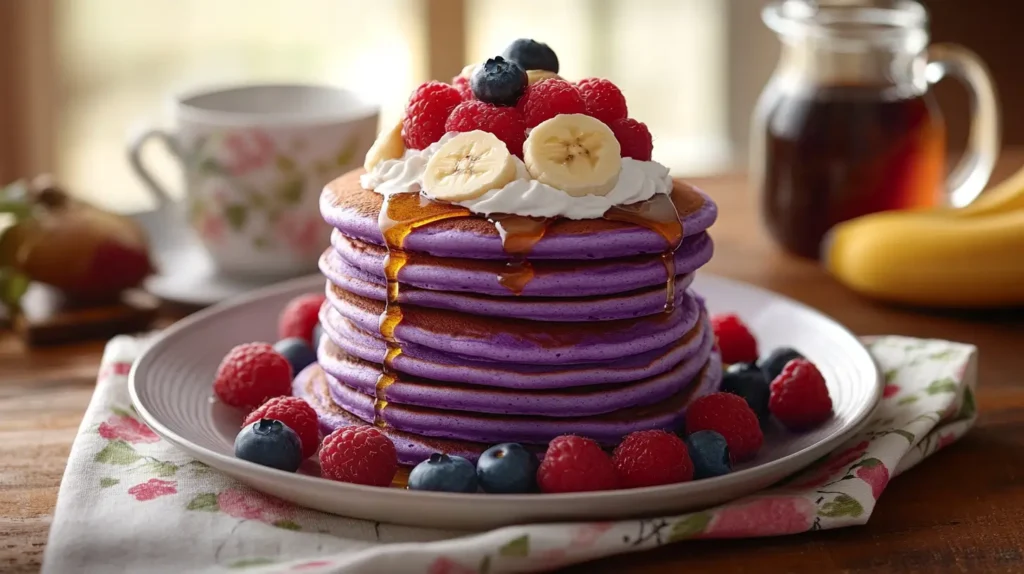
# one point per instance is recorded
(638, 181)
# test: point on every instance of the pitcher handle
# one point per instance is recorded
(135, 159)
(969, 177)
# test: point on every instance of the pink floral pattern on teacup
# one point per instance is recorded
(247, 150)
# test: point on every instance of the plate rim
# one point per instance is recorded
(410, 496)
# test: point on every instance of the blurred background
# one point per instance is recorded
(77, 77)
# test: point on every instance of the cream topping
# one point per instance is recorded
(638, 181)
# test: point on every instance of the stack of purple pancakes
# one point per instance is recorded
(596, 341)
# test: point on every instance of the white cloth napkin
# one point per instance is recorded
(130, 502)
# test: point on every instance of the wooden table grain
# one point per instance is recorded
(960, 511)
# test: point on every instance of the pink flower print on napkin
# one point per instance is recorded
(153, 488)
(248, 150)
(873, 472)
(834, 464)
(448, 566)
(945, 440)
(126, 428)
(770, 516)
(251, 505)
(890, 390)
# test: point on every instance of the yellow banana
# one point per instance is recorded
(930, 259)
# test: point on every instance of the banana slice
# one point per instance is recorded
(534, 76)
(468, 166)
(388, 145)
(575, 153)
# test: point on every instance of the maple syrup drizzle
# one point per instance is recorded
(399, 216)
(518, 236)
(659, 215)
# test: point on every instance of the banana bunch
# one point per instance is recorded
(970, 257)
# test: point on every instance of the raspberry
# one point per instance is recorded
(650, 458)
(360, 455)
(504, 122)
(576, 464)
(250, 374)
(799, 397)
(734, 340)
(427, 112)
(634, 138)
(604, 100)
(731, 417)
(548, 98)
(461, 83)
(299, 317)
(297, 414)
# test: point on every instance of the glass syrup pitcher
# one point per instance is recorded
(847, 124)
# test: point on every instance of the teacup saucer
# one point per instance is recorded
(186, 275)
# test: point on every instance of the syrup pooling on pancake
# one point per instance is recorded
(518, 236)
(659, 215)
(400, 214)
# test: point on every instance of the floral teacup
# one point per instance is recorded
(255, 159)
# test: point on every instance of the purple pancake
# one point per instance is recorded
(431, 424)
(420, 361)
(348, 375)
(628, 305)
(536, 342)
(354, 211)
(551, 278)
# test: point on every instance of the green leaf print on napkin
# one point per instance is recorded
(516, 547)
(117, 452)
(689, 527)
(206, 502)
(842, 505)
(162, 469)
(107, 482)
(287, 525)
(968, 408)
(946, 385)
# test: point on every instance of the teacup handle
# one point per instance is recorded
(135, 159)
(971, 174)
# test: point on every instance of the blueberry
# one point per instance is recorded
(532, 55)
(778, 358)
(270, 443)
(298, 353)
(747, 381)
(709, 453)
(318, 332)
(507, 469)
(499, 82)
(444, 473)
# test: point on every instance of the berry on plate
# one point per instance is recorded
(709, 453)
(651, 458)
(298, 352)
(731, 417)
(461, 83)
(604, 99)
(499, 81)
(300, 316)
(532, 55)
(426, 113)
(444, 473)
(360, 455)
(548, 98)
(799, 396)
(735, 341)
(297, 415)
(250, 374)
(576, 464)
(504, 122)
(747, 380)
(507, 469)
(270, 443)
(773, 364)
(634, 138)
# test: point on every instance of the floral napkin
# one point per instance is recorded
(131, 502)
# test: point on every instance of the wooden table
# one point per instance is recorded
(960, 511)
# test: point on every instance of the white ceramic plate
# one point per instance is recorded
(171, 386)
